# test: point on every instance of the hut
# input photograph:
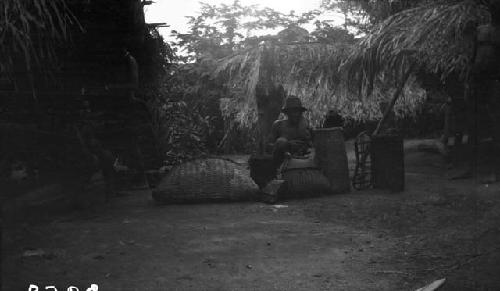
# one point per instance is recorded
(56, 59)
(310, 70)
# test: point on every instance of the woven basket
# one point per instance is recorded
(206, 180)
(303, 183)
(331, 157)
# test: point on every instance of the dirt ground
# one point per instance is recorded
(366, 240)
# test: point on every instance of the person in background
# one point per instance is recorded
(104, 160)
(484, 88)
(133, 115)
(290, 136)
(333, 119)
(131, 81)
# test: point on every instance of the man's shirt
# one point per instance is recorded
(283, 128)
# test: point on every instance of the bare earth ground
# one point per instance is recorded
(367, 240)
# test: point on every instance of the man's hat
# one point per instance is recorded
(293, 102)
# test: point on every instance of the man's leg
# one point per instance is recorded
(280, 148)
(271, 190)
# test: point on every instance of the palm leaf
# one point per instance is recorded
(309, 71)
(32, 27)
(434, 38)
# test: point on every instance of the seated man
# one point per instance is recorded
(292, 135)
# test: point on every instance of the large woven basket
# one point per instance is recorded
(331, 157)
(206, 180)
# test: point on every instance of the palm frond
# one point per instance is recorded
(435, 39)
(309, 71)
(31, 28)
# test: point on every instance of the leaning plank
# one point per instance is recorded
(394, 98)
(433, 286)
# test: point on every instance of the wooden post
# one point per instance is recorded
(269, 101)
(399, 90)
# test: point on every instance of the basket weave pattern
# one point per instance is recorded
(206, 180)
(302, 183)
(331, 157)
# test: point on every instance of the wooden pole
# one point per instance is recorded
(364, 156)
(395, 97)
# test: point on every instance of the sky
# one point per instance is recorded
(174, 12)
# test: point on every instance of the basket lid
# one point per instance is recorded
(293, 164)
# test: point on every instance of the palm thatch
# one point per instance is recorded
(307, 70)
(30, 29)
(434, 39)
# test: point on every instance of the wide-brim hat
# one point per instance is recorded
(293, 102)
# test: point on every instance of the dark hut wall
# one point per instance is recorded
(108, 26)
(90, 58)
(39, 107)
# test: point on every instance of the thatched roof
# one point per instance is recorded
(30, 28)
(436, 39)
(307, 70)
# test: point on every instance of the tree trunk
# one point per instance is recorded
(269, 101)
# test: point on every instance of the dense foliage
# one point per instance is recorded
(363, 14)
(223, 34)
(322, 65)
(220, 30)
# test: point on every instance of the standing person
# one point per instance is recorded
(333, 119)
(130, 80)
(291, 135)
(132, 115)
(484, 87)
